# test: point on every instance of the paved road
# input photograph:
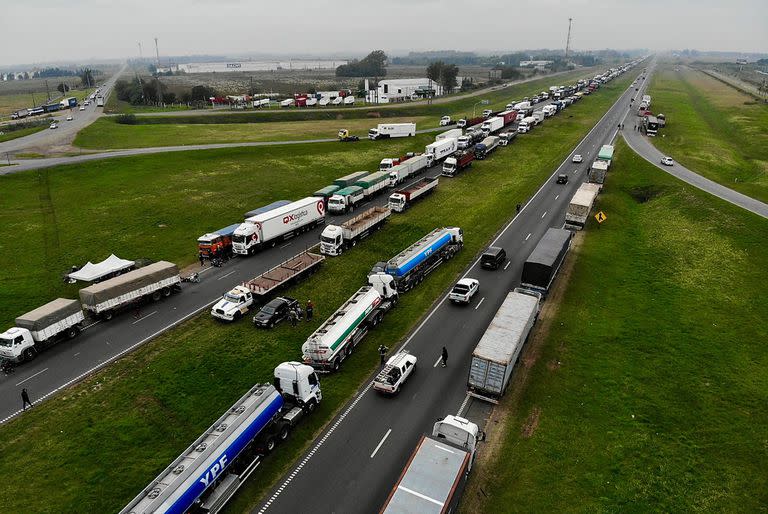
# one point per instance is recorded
(67, 129)
(643, 147)
(357, 460)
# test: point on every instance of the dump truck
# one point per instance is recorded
(409, 168)
(385, 130)
(337, 337)
(436, 473)
(267, 228)
(40, 329)
(497, 352)
(154, 281)
(457, 162)
(290, 271)
(542, 265)
(412, 265)
(580, 206)
(597, 172)
(606, 154)
(211, 470)
(336, 238)
(401, 199)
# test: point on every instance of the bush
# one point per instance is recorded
(126, 119)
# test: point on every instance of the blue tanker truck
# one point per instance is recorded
(212, 469)
(410, 266)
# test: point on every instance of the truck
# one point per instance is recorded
(384, 130)
(597, 172)
(542, 265)
(464, 142)
(41, 328)
(266, 208)
(650, 126)
(445, 120)
(69, 103)
(439, 150)
(412, 166)
(337, 337)
(349, 180)
(325, 193)
(526, 125)
(345, 137)
(346, 199)
(412, 265)
(539, 115)
(457, 162)
(606, 154)
(646, 100)
(401, 199)
(395, 372)
(211, 470)
(373, 183)
(213, 243)
(154, 281)
(581, 204)
(335, 238)
(494, 357)
(288, 272)
(507, 117)
(389, 162)
(436, 472)
(99, 101)
(453, 133)
(233, 305)
(470, 122)
(486, 146)
(549, 110)
(267, 228)
(492, 125)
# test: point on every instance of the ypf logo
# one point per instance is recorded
(321, 207)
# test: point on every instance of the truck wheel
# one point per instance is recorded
(283, 433)
(238, 315)
(156, 296)
(166, 291)
(107, 315)
(71, 332)
(29, 354)
(336, 364)
(269, 444)
(341, 249)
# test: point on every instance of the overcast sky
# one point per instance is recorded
(52, 30)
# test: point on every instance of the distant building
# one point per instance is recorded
(535, 64)
(249, 66)
(741, 61)
(396, 90)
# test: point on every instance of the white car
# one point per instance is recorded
(70, 118)
(577, 158)
(667, 161)
(82, 108)
(54, 125)
(445, 120)
(464, 290)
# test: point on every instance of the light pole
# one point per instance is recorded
(484, 102)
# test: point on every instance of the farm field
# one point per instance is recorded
(644, 396)
(713, 129)
(138, 414)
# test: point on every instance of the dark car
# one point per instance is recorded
(493, 257)
(275, 311)
(562, 178)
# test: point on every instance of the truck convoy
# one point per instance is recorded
(497, 352)
(436, 473)
(485, 147)
(401, 199)
(457, 162)
(412, 265)
(448, 134)
(337, 337)
(385, 130)
(334, 238)
(580, 206)
(542, 264)
(349, 197)
(278, 224)
(412, 166)
(439, 150)
(209, 472)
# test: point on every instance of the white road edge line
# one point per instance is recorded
(33, 376)
(381, 442)
(286, 245)
(480, 302)
(144, 317)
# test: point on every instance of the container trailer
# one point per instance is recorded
(267, 228)
(414, 165)
(385, 130)
(542, 265)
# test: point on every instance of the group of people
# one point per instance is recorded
(294, 315)
(216, 254)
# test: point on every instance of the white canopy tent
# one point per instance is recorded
(92, 272)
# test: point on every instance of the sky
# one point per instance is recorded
(44, 31)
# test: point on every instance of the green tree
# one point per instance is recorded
(444, 74)
(373, 65)
(86, 77)
(62, 88)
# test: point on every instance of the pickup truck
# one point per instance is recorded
(464, 290)
(394, 374)
(233, 304)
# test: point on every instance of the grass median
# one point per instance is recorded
(112, 433)
(649, 391)
(713, 129)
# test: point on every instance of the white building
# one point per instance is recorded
(535, 64)
(395, 90)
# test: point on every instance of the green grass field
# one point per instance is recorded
(113, 432)
(713, 129)
(7, 136)
(649, 392)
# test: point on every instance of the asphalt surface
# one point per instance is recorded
(357, 460)
(643, 146)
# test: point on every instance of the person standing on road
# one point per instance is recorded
(293, 316)
(25, 399)
(202, 259)
(310, 310)
(383, 353)
(444, 357)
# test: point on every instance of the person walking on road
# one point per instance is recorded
(25, 399)
(444, 357)
(310, 310)
(383, 353)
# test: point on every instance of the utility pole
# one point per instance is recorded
(47, 92)
(568, 40)
(159, 86)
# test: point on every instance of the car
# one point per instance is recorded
(464, 290)
(70, 118)
(493, 257)
(577, 158)
(562, 178)
(82, 108)
(275, 311)
(637, 89)
(54, 125)
(667, 161)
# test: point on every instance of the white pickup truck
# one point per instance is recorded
(394, 374)
(233, 305)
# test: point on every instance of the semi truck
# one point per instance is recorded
(326, 192)
(389, 162)
(412, 265)
(406, 169)
(597, 172)
(337, 337)
(470, 122)
(385, 130)
(99, 101)
(486, 146)
(267, 228)
(542, 265)
(154, 281)
(457, 162)
(436, 472)
(508, 116)
(439, 150)
(606, 154)
(346, 199)
(212, 243)
(41, 328)
(266, 208)
(526, 125)
(539, 116)
(349, 180)
(401, 199)
(453, 133)
(492, 125)
(211, 470)
(336, 238)
(497, 352)
(580, 206)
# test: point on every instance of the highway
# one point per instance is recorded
(356, 461)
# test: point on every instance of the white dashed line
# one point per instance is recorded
(478, 303)
(33, 376)
(556, 197)
(528, 236)
(545, 213)
(507, 265)
(381, 442)
(144, 317)
(225, 276)
(286, 245)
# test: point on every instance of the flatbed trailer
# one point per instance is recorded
(287, 272)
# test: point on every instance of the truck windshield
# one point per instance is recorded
(232, 298)
(6, 342)
(326, 239)
(335, 201)
(238, 239)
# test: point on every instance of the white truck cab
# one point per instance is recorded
(460, 432)
(331, 240)
(300, 383)
(445, 120)
(234, 304)
(14, 342)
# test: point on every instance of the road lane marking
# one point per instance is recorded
(507, 265)
(528, 236)
(286, 245)
(480, 302)
(556, 197)
(545, 213)
(225, 276)
(144, 317)
(33, 376)
(92, 324)
(75, 355)
(437, 361)
(381, 442)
